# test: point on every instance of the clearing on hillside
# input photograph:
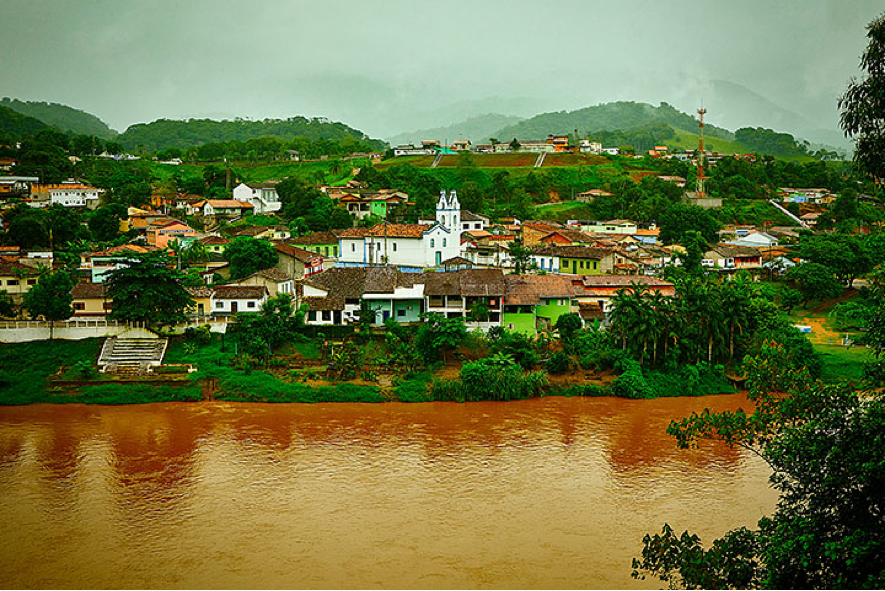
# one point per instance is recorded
(567, 159)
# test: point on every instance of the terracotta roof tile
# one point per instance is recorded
(240, 292)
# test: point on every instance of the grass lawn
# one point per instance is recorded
(561, 212)
(842, 363)
(26, 367)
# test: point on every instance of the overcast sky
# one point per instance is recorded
(391, 66)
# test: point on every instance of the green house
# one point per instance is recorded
(322, 243)
(536, 301)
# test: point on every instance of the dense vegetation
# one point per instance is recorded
(766, 141)
(14, 125)
(610, 116)
(166, 133)
(62, 117)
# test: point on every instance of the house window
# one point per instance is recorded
(353, 247)
(106, 306)
(327, 315)
(401, 313)
(444, 242)
(594, 264)
(12, 282)
(219, 305)
(250, 304)
(312, 316)
(32, 282)
(79, 306)
(394, 247)
(432, 243)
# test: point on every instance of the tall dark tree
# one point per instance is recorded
(51, 298)
(680, 218)
(863, 105)
(148, 288)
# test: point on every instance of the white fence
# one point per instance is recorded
(23, 331)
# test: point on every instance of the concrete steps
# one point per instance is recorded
(131, 355)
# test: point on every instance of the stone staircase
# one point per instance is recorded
(131, 355)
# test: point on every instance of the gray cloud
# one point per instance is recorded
(386, 67)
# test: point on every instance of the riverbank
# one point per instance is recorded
(64, 372)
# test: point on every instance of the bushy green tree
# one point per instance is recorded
(147, 287)
(51, 298)
(824, 444)
(247, 255)
(815, 282)
(863, 105)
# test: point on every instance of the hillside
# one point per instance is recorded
(62, 116)
(608, 116)
(476, 129)
(168, 133)
(14, 124)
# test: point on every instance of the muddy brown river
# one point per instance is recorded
(545, 493)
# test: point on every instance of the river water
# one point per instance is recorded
(544, 493)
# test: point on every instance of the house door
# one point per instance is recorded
(386, 314)
(233, 307)
(438, 258)
(200, 309)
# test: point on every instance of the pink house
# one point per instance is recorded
(162, 233)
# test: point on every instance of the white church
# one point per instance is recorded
(410, 247)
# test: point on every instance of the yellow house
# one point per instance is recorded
(90, 299)
(17, 279)
(202, 297)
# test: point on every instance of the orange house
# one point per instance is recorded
(161, 234)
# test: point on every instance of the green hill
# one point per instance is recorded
(14, 124)
(62, 116)
(610, 117)
(168, 133)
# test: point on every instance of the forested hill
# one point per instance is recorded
(609, 116)
(168, 133)
(14, 125)
(63, 117)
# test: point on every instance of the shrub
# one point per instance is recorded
(631, 383)
(558, 363)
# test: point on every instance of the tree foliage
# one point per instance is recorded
(145, 287)
(825, 446)
(51, 297)
(863, 105)
(247, 255)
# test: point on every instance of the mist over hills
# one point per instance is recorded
(62, 117)
(730, 106)
(476, 129)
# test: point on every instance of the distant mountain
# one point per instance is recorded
(63, 117)
(609, 116)
(734, 106)
(476, 129)
(15, 124)
(168, 133)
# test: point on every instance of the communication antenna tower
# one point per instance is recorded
(701, 188)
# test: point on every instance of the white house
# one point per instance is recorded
(410, 150)
(589, 147)
(262, 196)
(69, 194)
(412, 247)
(227, 300)
(755, 239)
